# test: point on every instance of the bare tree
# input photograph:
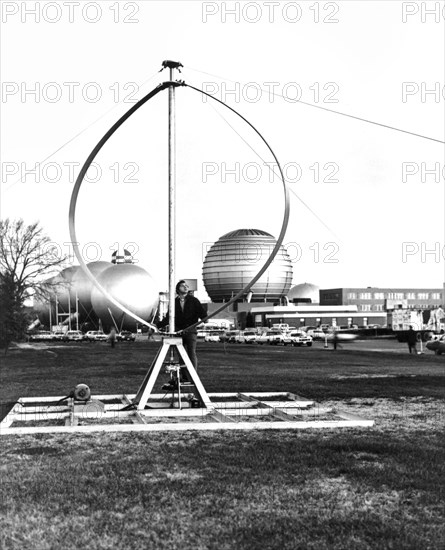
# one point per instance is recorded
(27, 256)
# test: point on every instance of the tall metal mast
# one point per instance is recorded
(172, 65)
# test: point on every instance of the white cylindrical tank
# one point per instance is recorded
(61, 287)
(82, 286)
(69, 284)
(131, 286)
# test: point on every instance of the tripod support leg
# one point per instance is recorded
(194, 376)
(150, 378)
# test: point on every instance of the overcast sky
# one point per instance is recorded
(367, 202)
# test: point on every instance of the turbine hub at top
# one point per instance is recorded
(172, 65)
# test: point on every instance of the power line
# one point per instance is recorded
(81, 132)
(368, 121)
(273, 171)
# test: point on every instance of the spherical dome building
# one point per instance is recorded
(131, 286)
(233, 261)
(304, 293)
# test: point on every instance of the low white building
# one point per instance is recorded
(314, 315)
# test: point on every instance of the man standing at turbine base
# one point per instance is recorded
(188, 311)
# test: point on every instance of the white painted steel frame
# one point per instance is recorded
(199, 426)
(150, 379)
(283, 415)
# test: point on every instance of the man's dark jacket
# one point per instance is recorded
(192, 313)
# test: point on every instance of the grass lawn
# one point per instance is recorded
(379, 487)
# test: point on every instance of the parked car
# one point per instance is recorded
(59, 335)
(74, 335)
(224, 336)
(262, 337)
(317, 334)
(245, 337)
(231, 335)
(283, 327)
(249, 336)
(213, 336)
(307, 328)
(297, 338)
(437, 344)
(238, 338)
(270, 336)
(125, 336)
(41, 336)
(276, 337)
(95, 336)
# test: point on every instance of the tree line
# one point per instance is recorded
(26, 260)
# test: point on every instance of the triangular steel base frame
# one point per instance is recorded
(146, 388)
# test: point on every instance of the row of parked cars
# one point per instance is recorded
(79, 336)
(270, 337)
(282, 334)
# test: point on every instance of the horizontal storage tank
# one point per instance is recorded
(81, 285)
(233, 261)
(131, 286)
(70, 284)
(61, 287)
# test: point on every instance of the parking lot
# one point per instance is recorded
(378, 345)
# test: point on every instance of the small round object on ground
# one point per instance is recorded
(82, 392)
